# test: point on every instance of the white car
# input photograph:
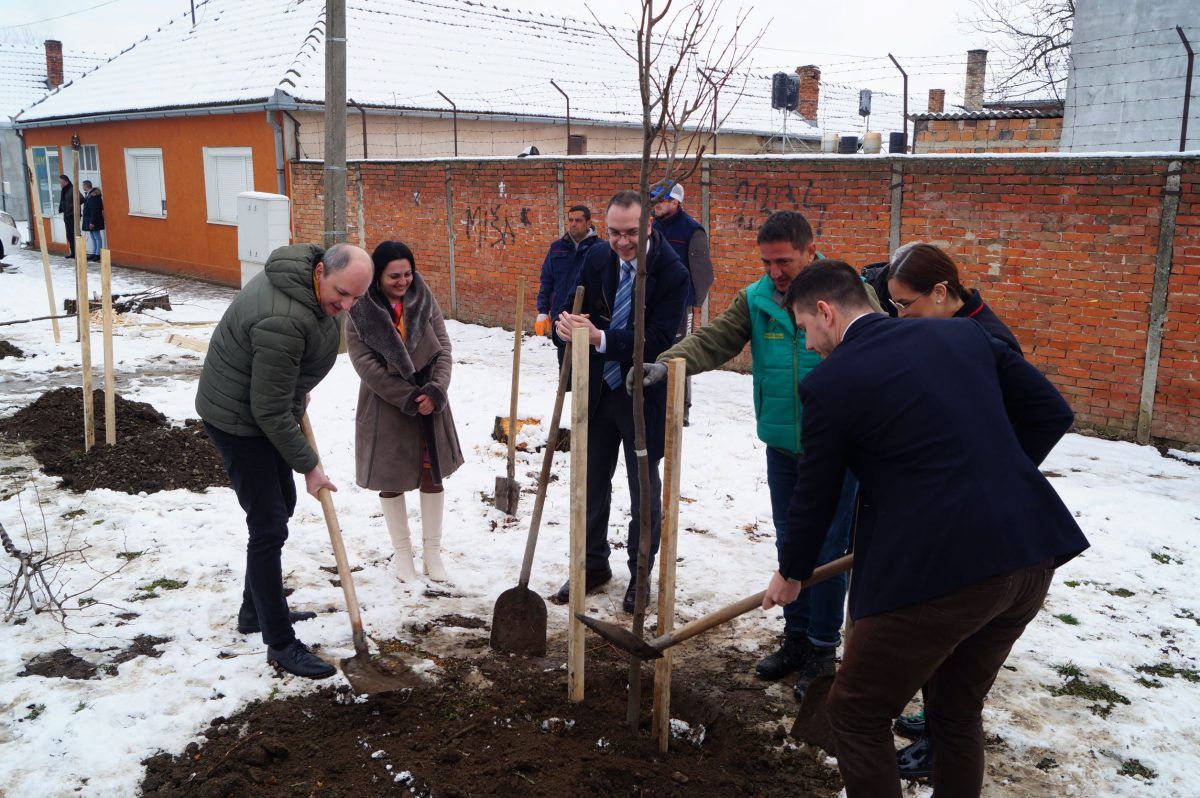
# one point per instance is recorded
(10, 236)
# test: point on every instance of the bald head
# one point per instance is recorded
(343, 277)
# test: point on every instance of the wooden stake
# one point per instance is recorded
(110, 388)
(82, 307)
(36, 201)
(672, 469)
(580, 355)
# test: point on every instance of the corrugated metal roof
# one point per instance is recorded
(1025, 113)
(400, 54)
(23, 73)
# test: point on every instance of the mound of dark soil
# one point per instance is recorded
(497, 726)
(150, 455)
(9, 350)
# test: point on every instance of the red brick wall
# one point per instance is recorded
(987, 135)
(1062, 248)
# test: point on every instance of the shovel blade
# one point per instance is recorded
(812, 719)
(621, 637)
(519, 623)
(507, 494)
(373, 675)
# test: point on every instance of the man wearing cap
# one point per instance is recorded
(690, 242)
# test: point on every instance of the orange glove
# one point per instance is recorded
(542, 325)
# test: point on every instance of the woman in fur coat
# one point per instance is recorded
(404, 432)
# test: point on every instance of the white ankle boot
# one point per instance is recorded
(395, 514)
(432, 507)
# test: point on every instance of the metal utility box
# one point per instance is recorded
(264, 225)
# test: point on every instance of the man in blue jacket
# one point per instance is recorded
(689, 239)
(607, 277)
(560, 270)
(944, 426)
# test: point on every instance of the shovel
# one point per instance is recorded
(519, 617)
(507, 489)
(366, 675)
(626, 640)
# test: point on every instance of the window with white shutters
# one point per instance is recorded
(144, 177)
(228, 171)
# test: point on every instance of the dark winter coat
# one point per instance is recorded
(690, 242)
(91, 212)
(560, 273)
(393, 372)
(272, 346)
(666, 291)
(944, 426)
(66, 201)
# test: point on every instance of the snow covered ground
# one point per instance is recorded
(1129, 601)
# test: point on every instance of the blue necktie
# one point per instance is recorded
(620, 320)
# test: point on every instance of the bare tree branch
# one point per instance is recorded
(1034, 39)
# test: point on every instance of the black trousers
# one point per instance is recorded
(266, 489)
(69, 223)
(610, 428)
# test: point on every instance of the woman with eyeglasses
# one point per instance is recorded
(922, 282)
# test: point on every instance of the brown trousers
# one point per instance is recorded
(955, 645)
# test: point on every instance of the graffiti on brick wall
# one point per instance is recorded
(756, 201)
(493, 226)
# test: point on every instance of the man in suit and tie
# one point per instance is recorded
(944, 426)
(607, 276)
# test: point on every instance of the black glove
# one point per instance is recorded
(652, 374)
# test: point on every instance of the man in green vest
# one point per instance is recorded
(812, 623)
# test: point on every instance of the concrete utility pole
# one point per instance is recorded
(335, 122)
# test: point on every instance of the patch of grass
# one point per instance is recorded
(1068, 671)
(1080, 686)
(35, 711)
(86, 602)
(1144, 682)
(80, 707)
(130, 555)
(72, 514)
(1119, 592)
(1068, 619)
(1164, 558)
(1167, 671)
(1072, 583)
(1135, 769)
(164, 584)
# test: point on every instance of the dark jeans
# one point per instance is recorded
(610, 428)
(266, 489)
(819, 611)
(956, 644)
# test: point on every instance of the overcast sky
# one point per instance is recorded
(848, 40)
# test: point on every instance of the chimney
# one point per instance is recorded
(54, 64)
(810, 91)
(937, 101)
(976, 71)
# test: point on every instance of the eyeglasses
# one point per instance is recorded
(905, 304)
(617, 235)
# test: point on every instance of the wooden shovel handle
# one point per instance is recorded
(564, 378)
(706, 622)
(516, 379)
(339, 550)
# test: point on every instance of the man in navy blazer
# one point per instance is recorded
(607, 276)
(944, 426)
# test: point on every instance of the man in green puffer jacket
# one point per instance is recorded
(780, 359)
(276, 341)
